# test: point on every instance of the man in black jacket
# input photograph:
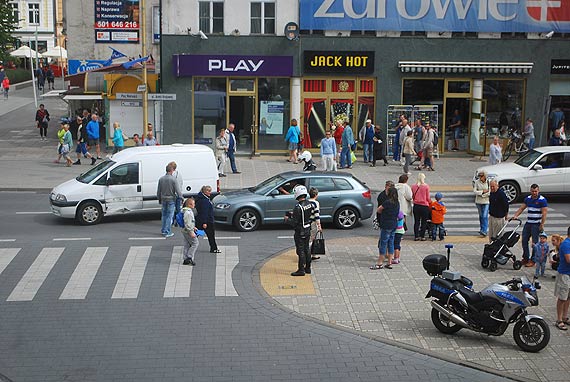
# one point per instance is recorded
(300, 219)
(498, 209)
(205, 216)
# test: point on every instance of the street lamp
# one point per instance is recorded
(37, 21)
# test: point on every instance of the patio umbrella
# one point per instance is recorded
(56, 52)
(25, 51)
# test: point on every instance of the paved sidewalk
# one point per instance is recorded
(390, 304)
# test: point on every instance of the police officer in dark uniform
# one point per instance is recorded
(300, 219)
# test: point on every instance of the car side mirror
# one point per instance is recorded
(274, 193)
(537, 167)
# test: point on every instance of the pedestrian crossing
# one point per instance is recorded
(127, 285)
(462, 217)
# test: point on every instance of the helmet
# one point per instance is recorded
(300, 190)
(306, 156)
(438, 196)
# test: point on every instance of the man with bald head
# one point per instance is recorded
(498, 209)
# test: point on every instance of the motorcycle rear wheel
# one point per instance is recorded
(442, 323)
(531, 336)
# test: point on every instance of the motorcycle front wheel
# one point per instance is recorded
(442, 323)
(531, 336)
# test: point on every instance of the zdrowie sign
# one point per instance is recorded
(242, 65)
(437, 15)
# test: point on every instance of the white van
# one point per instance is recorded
(128, 180)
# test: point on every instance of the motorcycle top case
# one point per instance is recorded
(435, 264)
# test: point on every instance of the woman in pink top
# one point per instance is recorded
(422, 213)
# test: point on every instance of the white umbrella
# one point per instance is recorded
(25, 51)
(56, 52)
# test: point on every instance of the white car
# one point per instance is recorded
(548, 166)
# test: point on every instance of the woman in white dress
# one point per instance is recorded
(495, 151)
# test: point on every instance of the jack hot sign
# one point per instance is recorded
(437, 15)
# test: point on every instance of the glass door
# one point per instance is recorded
(457, 114)
(242, 115)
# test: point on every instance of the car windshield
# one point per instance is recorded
(528, 158)
(267, 185)
(95, 172)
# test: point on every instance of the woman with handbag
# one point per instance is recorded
(316, 228)
(422, 212)
(42, 119)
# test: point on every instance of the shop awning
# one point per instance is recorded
(465, 67)
(72, 97)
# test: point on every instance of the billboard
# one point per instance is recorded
(437, 15)
(117, 21)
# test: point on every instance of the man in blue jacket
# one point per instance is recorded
(347, 142)
(93, 134)
(205, 216)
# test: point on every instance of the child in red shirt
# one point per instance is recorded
(438, 210)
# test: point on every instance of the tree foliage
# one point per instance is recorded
(8, 24)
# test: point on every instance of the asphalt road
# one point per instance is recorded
(57, 324)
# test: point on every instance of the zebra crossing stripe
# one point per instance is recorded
(84, 274)
(179, 276)
(36, 275)
(225, 264)
(6, 257)
(131, 275)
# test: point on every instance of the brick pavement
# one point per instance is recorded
(391, 305)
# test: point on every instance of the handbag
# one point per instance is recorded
(318, 245)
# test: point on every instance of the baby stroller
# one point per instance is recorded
(498, 251)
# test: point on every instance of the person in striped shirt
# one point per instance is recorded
(537, 210)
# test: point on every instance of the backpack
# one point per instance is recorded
(435, 138)
(180, 219)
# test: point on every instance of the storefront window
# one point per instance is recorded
(274, 95)
(504, 105)
(315, 113)
(209, 108)
(424, 92)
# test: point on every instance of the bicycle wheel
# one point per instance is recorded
(508, 151)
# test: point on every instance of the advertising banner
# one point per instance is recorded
(437, 15)
(79, 66)
(117, 21)
(187, 65)
(271, 117)
(338, 62)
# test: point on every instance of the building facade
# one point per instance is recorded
(36, 22)
(497, 63)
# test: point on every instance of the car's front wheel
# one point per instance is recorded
(511, 189)
(247, 220)
(89, 213)
(346, 217)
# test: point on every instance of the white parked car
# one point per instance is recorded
(548, 166)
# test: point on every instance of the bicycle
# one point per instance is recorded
(516, 144)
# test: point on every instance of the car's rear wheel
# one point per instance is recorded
(511, 189)
(247, 220)
(346, 217)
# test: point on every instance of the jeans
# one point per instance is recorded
(483, 217)
(540, 268)
(435, 229)
(167, 215)
(421, 216)
(531, 143)
(177, 208)
(231, 156)
(345, 158)
(386, 241)
(529, 230)
(368, 153)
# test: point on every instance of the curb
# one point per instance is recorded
(256, 280)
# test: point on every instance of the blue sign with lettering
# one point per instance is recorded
(78, 66)
(437, 15)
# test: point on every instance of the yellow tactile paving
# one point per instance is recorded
(276, 279)
(450, 188)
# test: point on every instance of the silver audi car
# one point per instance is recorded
(344, 200)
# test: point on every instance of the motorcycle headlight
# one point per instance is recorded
(223, 206)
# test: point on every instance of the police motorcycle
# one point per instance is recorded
(456, 306)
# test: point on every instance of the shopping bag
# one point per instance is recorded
(352, 156)
(318, 245)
